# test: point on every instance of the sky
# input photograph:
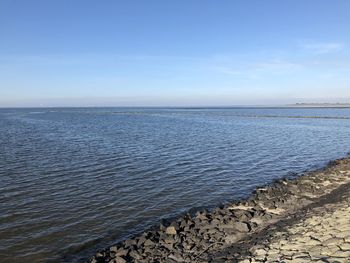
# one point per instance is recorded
(173, 53)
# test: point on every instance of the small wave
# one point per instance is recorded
(36, 112)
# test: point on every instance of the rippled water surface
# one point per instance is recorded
(75, 180)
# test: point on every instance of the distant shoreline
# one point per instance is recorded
(320, 105)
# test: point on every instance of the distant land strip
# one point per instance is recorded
(251, 116)
(295, 117)
(320, 105)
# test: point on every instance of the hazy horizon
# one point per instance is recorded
(143, 102)
(183, 53)
(66, 104)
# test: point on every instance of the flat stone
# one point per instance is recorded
(301, 255)
(345, 246)
(332, 241)
(341, 254)
(347, 238)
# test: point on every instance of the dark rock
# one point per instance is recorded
(113, 249)
(141, 240)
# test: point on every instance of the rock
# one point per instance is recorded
(176, 257)
(171, 230)
(129, 242)
(230, 239)
(169, 246)
(135, 254)
(345, 246)
(113, 249)
(242, 226)
(122, 252)
(141, 240)
(260, 254)
(188, 246)
(332, 241)
(169, 240)
(120, 260)
(183, 223)
(149, 243)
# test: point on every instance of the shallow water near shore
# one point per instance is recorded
(76, 180)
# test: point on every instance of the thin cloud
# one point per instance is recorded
(323, 48)
(229, 71)
(243, 73)
(277, 64)
(258, 69)
(85, 59)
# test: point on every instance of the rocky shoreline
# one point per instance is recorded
(244, 231)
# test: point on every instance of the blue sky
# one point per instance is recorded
(173, 53)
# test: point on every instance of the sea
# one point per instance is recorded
(77, 180)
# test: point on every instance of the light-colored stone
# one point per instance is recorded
(170, 230)
(325, 236)
(342, 254)
(345, 246)
(332, 241)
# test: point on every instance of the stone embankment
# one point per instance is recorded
(322, 237)
(301, 220)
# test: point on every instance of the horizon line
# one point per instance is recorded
(293, 105)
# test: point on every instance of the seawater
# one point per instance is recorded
(75, 180)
